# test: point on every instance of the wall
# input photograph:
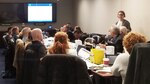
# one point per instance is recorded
(64, 13)
(139, 15)
(98, 15)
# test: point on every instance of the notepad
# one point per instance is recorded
(105, 69)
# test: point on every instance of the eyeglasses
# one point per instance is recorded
(120, 14)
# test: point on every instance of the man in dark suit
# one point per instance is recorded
(116, 39)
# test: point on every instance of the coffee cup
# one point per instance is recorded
(106, 61)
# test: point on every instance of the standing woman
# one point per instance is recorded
(123, 22)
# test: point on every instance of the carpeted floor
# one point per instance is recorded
(2, 64)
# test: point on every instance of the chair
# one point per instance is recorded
(138, 71)
(83, 37)
(63, 69)
(99, 38)
(89, 43)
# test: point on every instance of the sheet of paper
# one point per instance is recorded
(83, 53)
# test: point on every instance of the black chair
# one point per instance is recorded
(83, 37)
(63, 69)
(99, 38)
(89, 43)
(138, 71)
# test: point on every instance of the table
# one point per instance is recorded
(97, 77)
(103, 76)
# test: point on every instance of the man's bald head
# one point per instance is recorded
(37, 34)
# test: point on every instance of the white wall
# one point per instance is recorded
(98, 15)
(138, 15)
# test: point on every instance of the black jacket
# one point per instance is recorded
(33, 53)
(126, 24)
(117, 43)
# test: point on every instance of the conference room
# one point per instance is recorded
(107, 40)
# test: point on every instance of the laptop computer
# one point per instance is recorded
(112, 59)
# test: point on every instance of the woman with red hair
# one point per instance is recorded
(61, 45)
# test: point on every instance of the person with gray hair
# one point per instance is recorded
(114, 39)
(123, 31)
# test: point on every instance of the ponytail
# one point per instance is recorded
(58, 48)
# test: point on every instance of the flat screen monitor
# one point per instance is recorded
(41, 12)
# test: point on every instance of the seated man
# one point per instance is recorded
(33, 52)
(69, 33)
(114, 39)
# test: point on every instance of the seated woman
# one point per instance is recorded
(61, 45)
(77, 34)
(77, 28)
(24, 34)
(120, 65)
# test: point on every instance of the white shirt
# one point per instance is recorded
(119, 24)
(72, 52)
(120, 65)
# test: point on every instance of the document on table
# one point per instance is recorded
(104, 69)
(83, 53)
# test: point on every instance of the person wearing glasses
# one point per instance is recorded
(123, 22)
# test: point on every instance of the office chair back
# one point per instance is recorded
(63, 69)
(138, 71)
(99, 38)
